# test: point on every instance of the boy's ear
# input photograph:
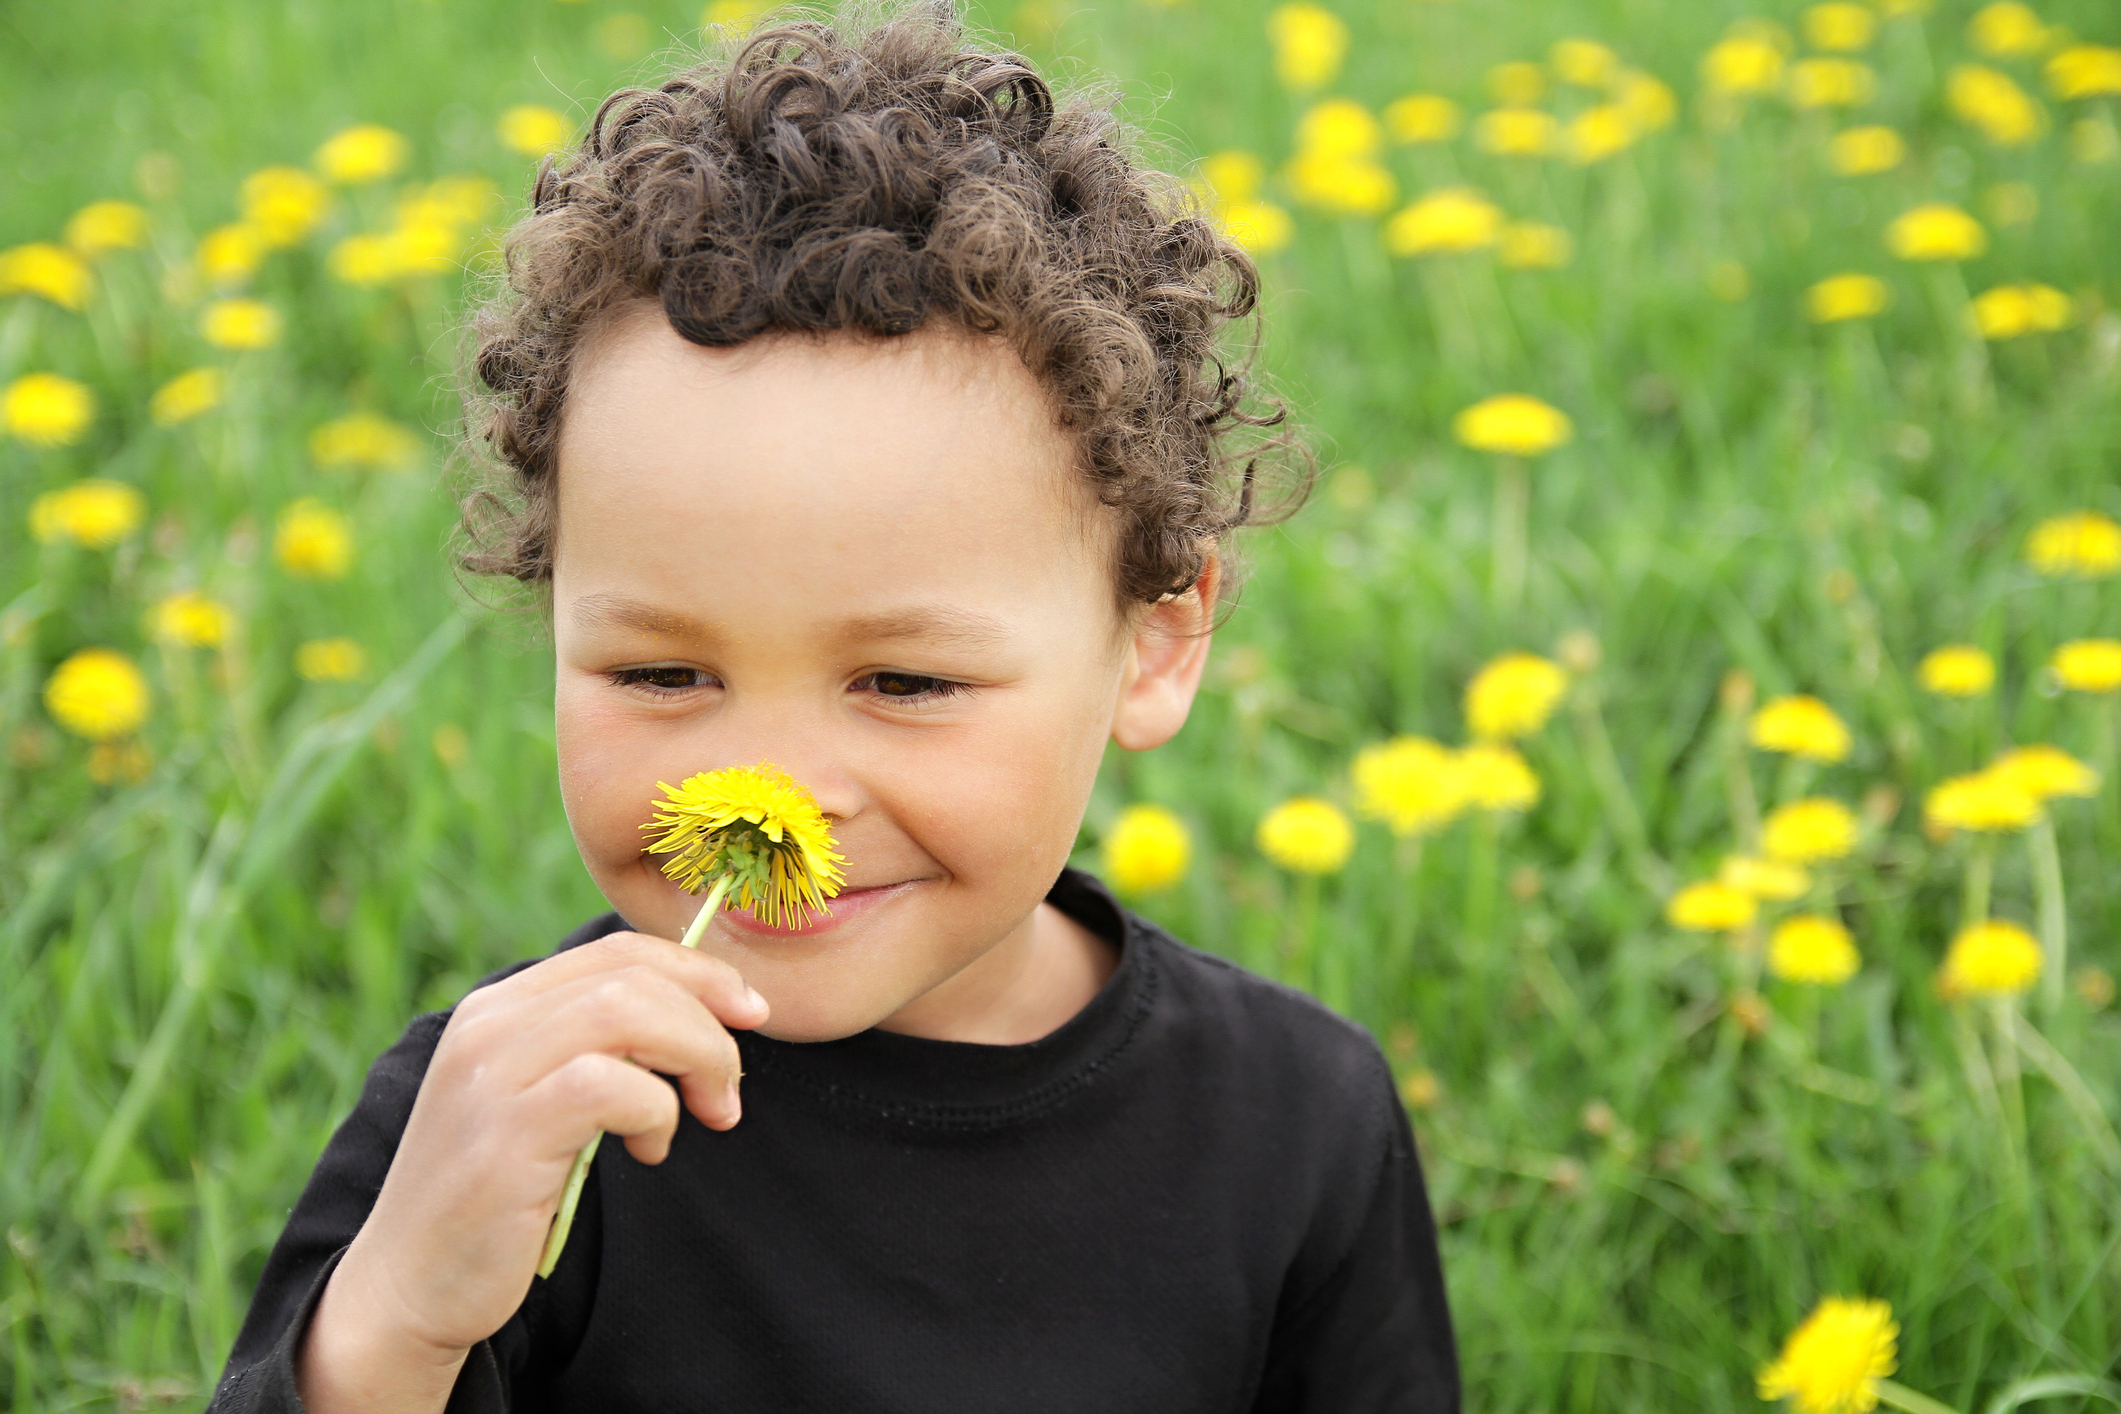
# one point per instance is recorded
(1166, 651)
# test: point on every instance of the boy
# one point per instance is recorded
(863, 415)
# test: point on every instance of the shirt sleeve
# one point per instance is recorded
(1375, 1336)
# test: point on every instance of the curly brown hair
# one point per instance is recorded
(869, 176)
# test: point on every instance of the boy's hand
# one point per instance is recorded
(527, 1070)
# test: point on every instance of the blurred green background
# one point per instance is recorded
(1650, 1156)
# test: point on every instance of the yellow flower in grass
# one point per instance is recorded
(533, 130)
(1764, 878)
(1445, 220)
(2078, 545)
(2007, 30)
(1232, 175)
(1840, 298)
(1935, 231)
(1831, 1364)
(283, 204)
(1534, 245)
(97, 693)
(1513, 696)
(1513, 424)
(1495, 777)
(1865, 151)
(46, 410)
(362, 439)
(1956, 670)
(1306, 836)
(1839, 25)
(2088, 665)
(1309, 44)
(2085, 71)
(1808, 831)
(1991, 101)
(733, 14)
(95, 512)
(1583, 62)
(1711, 907)
(2045, 772)
(757, 827)
(365, 152)
(1147, 850)
(1339, 127)
(1987, 802)
(1831, 83)
(240, 324)
(1799, 725)
(49, 271)
(1517, 132)
(2013, 311)
(1411, 783)
(1746, 61)
(1422, 117)
(1648, 101)
(188, 619)
(330, 660)
(1598, 133)
(1989, 959)
(313, 541)
(1345, 186)
(1814, 949)
(104, 226)
(229, 255)
(366, 259)
(186, 396)
(1260, 227)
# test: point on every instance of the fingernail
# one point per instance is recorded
(734, 1106)
(751, 995)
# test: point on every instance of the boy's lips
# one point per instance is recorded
(847, 906)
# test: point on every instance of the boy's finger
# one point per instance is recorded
(720, 988)
(598, 1092)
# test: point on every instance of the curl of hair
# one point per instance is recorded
(872, 177)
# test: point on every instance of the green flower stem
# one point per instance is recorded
(1980, 870)
(1909, 1401)
(1485, 850)
(1621, 811)
(2051, 909)
(1738, 785)
(571, 1195)
(1513, 513)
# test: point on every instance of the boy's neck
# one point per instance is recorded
(1025, 987)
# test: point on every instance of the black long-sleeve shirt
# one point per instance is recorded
(1200, 1194)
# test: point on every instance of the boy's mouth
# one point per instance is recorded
(848, 905)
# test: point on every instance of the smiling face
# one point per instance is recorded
(873, 564)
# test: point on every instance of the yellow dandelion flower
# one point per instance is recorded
(1813, 949)
(1991, 101)
(755, 827)
(1831, 83)
(365, 152)
(1935, 231)
(2014, 311)
(1513, 696)
(283, 204)
(48, 271)
(2078, 545)
(1422, 117)
(1346, 186)
(1411, 783)
(1495, 777)
(97, 693)
(1711, 907)
(240, 324)
(2088, 665)
(188, 619)
(1895, 9)
(366, 259)
(1307, 836)
(1746, 62)
(1517, 83)
(533, 129)
(1448, 219)
(1147, 850)
(1840, 26)
(1956, 670)
(330, 660)
(104, 226)
(2008, 30)
(1843, 297)
(1808, 831)
(1988, 801)
(1309, 43)
(186, 396)
(229, 255)
(1534, 245)
(1799, 725)
(1260, 227)
(362, 439)
(1832, 1363)
(94, 512)
(1866, 151)
(1421, 1090)
(313, 541)
(1233, 174)
(46, 410)
(1647, 100)
(2045, 772)
(1764, 878)
(1989, 959)
(2085, 71)
(1583, 62)
(1339, 127)
(1598, 133)
(1517, 132)
(733, 14)
(1513, 424)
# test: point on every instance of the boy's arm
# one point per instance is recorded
(1375, 1336)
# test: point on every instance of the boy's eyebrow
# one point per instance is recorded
(618, 611)
(936, 623)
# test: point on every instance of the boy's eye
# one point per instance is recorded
(660, 679)
(909, 687)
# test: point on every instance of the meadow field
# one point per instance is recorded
(1736, 948)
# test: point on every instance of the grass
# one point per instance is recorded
(1640, 1196)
